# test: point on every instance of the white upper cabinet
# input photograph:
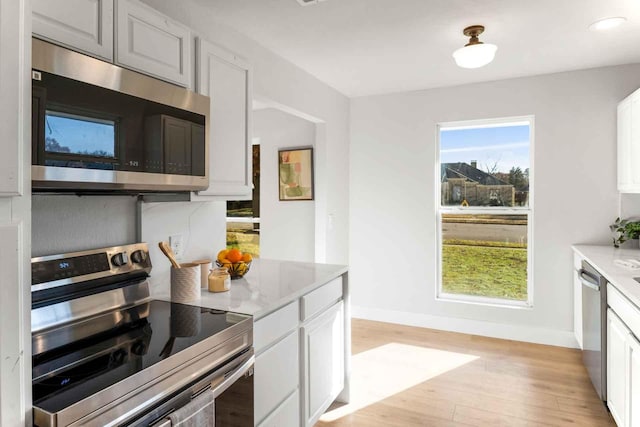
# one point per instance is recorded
(83, 25)
(151, 43)
(629, 144)
(226, 79)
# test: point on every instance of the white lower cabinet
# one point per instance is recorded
(617, 334)
(577, 299)
(286, 415)
(633, 414)
(300, 358)
(623, 359)
(275, 376)
(323, 359)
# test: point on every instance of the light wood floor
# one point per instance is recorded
(406, 376)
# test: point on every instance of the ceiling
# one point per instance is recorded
(364, 47)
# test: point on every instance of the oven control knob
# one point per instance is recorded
(119, 259)
(139, 256)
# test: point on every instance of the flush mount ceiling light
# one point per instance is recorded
(474, 54)
(607, 23)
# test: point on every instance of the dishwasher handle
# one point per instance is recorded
(589, 280)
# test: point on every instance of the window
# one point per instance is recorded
(485, 210)
(243, 216)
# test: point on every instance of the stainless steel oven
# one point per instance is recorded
(106, 354)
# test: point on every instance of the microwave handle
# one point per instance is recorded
(223, 383)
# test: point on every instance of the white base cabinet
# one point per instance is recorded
(633, 363)
(274, 367)
(285, 415)
(301, 358)
(623, 359)
(577, 299)
(617, 334)
(323, 360)
(82, 25)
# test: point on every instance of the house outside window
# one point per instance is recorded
(485, 211)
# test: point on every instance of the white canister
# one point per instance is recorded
(205, 268)
(185, 283)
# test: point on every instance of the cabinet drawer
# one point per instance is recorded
(276, 376)
(625, 309)
(287, 414)
(274, 326)
(320, 299)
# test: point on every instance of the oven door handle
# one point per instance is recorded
(218, 386)
(221, 384)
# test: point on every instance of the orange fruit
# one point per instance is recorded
(246, 257)
(234, 255)
(222, 254)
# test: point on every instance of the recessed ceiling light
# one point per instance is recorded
(607, 23)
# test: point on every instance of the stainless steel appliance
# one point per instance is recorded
(97, 126)
(106, 354)
(594, 326)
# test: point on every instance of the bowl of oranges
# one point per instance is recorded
(236, 262)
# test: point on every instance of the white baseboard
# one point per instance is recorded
(468, 326)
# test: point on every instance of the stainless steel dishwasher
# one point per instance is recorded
(594, 330)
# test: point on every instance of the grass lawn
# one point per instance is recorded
(477, 268)
(245, 240)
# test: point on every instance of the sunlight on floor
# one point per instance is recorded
(392, 368)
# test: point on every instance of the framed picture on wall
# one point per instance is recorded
(295, 172)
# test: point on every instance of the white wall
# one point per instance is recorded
(393, 222)
(282, 82)
(287, 229)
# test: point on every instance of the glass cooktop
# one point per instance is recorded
(72, 369)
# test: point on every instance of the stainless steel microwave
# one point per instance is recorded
(100, 127)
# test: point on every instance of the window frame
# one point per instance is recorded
(513, 210)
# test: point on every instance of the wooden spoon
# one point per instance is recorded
(166, 249)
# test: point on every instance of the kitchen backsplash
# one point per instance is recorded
(70, 223)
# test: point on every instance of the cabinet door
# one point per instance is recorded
(577, 299)
(624, 145)
(151, 43)
(83, 25)
(323, 355)
(226, 79)
(617, 334)
(286, 415)
(634, 156)
(275, 376)
(633, 389)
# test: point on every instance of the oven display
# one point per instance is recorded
(49, 271)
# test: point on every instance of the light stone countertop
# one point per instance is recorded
(602, 257)
(269, 285)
